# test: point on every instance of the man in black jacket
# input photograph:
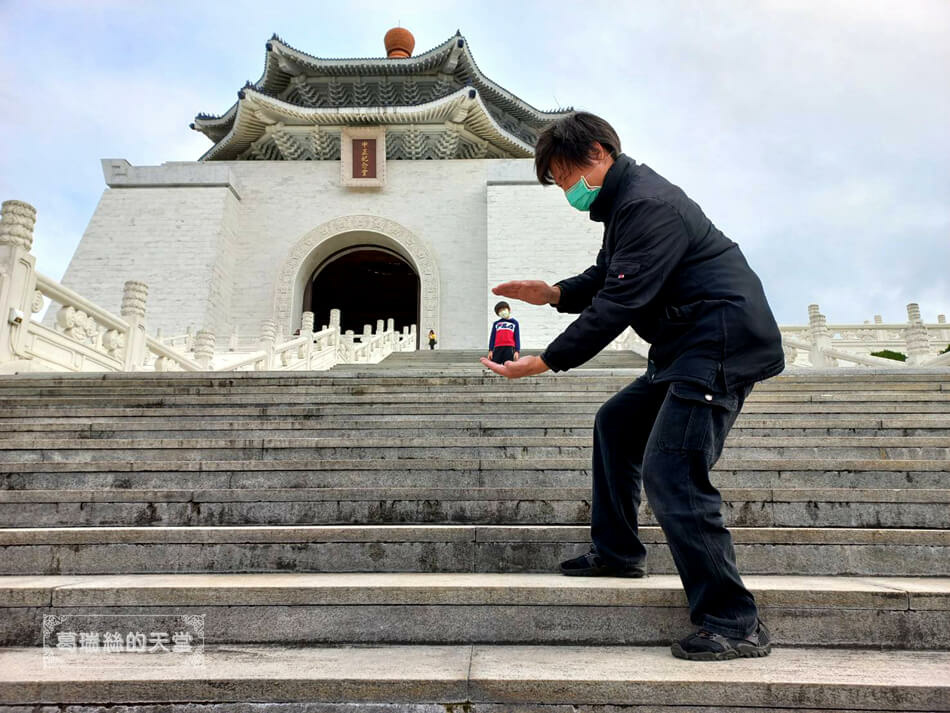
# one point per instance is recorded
(667, 271)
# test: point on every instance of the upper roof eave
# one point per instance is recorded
(247, 123)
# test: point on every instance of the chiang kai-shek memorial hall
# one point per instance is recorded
(399, 187)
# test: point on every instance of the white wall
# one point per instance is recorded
(167, 237)
(210, 238)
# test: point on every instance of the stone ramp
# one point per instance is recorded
(392, 511)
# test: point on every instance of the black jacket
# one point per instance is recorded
(667, 271)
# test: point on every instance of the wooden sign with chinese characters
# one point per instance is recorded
(364, 158)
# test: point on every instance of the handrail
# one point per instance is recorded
(940, 360)
(247, 360)
(163, 350)
(65, 296)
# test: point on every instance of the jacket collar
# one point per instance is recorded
(617, 175)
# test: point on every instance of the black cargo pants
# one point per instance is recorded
(666, 436)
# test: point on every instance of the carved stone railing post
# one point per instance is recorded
(306, 323)
(204, 347)
(878, 319)
(306, 330)
(365, 342)
(918, 344)
(268, 338)
(17, 278)
(393, 334)
(134, 295)
(335, 324)
(820, 338)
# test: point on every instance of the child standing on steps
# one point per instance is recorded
(504, 342)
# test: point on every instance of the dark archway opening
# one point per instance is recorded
(365, 283)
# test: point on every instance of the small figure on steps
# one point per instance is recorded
(504, 342)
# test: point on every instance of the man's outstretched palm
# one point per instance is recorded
(535, 292)
(525, 366)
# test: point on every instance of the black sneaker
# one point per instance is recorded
(706, 646)
(591, 565)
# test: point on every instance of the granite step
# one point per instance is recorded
(396, 426)
(307, 609)
(435, 409)
(15, 450)
(463, 394)
(742, 507)
(480, 678)
(443, 472)
(302, 417)
(76, 385)
(391, 380)
(432, 409)
(446, 548)
(459, 369)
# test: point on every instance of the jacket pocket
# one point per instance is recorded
(622, 270)
(691, 311)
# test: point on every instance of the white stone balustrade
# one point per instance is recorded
(85, 337)
(823, 345)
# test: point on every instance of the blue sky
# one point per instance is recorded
(814, 133)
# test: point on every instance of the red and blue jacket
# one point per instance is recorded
(504, 333)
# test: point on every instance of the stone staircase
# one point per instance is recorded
(383, 538)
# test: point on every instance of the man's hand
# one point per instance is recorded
(535, 292)
(526, 366)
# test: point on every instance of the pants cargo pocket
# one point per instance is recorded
(694, 419)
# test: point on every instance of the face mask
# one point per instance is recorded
(504, 313)
(581, 195)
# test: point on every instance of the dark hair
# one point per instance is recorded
(502, 305)
(570, 140)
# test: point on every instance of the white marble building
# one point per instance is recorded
(396, 187)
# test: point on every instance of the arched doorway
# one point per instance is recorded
(366, 283)
(293, 283)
